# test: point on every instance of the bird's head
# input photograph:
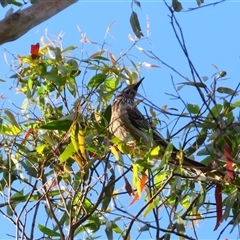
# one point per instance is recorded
(129, 93)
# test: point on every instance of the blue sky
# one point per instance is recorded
(211, 35)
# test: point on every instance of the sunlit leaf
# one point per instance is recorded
(96, 80)
(193, 108)
(151, 206)
(9, 129)
(67, 153)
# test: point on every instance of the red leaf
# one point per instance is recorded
(218, 197)
(35, 50)
(229, 163)
(143, 181)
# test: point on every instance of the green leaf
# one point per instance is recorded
(109, 233)
(200, 139)
(177, 6)
(107, 115)
(155, 151)
(62, 69)
(151, 206)
(18, 4)
(137, 3)
(109, 85)
(62, 125)
(4, 3)
(236, 104)
(71, 85)
(199, 2)
(48, 231)
(227, 90)
(180, 225)
(96, 80)
(195, 84)
(221, 74)
(193, 108)
(70, 48)
(135, 25)
(11, 118)
(167, 154)
(108, 191)
(117, 229)
(53, 77)
(67, 153)
(9, 130)
(31, 171)
(144, 228)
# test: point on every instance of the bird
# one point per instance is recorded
(130, 126)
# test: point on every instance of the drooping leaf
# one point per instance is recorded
(11, 118)
(67, 153)
(218, 198)
(151, 206)
(108, 191)
(137, 3)
(198, 84)
(49, 232)
(199, 2)
(109, 233)
(4, 3)
(128, 187)
(140, 186)
(136, 25)
(227, 90)
(70, 48)
(177, 6)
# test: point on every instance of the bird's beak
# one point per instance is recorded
(138, 83)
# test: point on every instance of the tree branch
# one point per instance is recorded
(17, 24)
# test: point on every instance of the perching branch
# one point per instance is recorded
(17, 24)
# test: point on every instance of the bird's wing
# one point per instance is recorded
(140, 122)
(137, 119)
